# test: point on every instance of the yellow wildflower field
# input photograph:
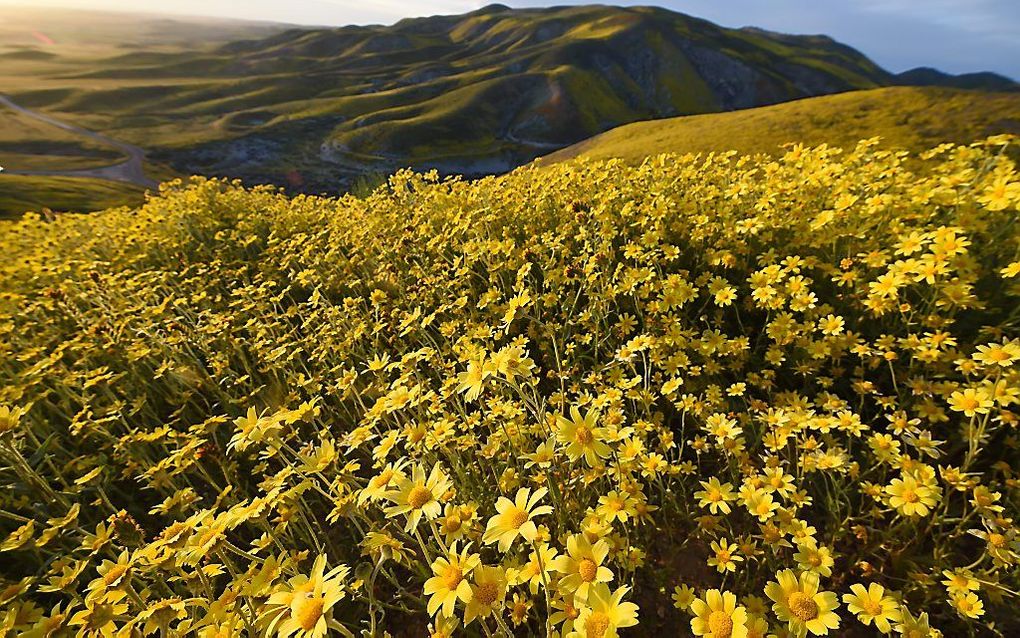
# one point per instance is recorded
(718, 395)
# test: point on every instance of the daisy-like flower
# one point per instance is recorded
(872, 605)
(582, 565)
(381, 483)
(488, 591)
(449, 582)
(814, 558)
(683, 596)
(798, 603)
(718, 616)
(725, 558)
(419, 495)
(910, 497)
(960, 582)
(582, 436)
(617, 505)
(910, 627)
(473, 380)
(969, 605)
(605, 613)
(515, 518)
(303, 607)
(566, 613)
(716, 496)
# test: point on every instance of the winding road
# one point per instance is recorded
(132, 170)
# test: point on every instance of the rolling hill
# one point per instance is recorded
(476, 93)
(913, 118)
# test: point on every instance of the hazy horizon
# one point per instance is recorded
(956, 36)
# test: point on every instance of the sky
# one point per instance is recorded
(956, 36)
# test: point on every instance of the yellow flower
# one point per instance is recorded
(473, 380)
(873, 605)
(303, 607)
(488, 591)
(515, 518)
(9, 418)
(970, 401)
(582, 437)
(960, 582)
(418, 496)
(725, 558)
(718, 616)
(814, 558)
(716, 496)
(582, 565)
(798, 603)
(911, 497)
(605, 613)
(381, 483)
(449, 581)
(968, 605)
(617, 505)
(910, 627)
(683, 596)
(998, 354)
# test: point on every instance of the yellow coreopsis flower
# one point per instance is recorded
(303, 607)
(798, 603)
(873, 605)
(488, 591)
(515, 518)
(910, 497)
(582, 437)
(716, 496)
(449, 583)
(581, 566)
(718, 616)
(419, 495)
(969, 605)
(725, 558)
(605, 613)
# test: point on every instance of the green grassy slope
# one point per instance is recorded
(905, 117)
(20, 194)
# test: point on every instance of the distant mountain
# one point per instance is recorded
(927, 76)
(479, 93)
(913, 118)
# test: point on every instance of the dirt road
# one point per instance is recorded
(131, 170)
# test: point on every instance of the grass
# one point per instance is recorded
(905, 117)
(20, 194)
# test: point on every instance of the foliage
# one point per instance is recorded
(780, 392)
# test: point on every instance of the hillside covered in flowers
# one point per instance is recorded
(730, 396)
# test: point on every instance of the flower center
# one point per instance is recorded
(583, 435)
(418, 496)
(802, 607)
(452, 577)
(485, 593)
(451, 523)
(596, 625)
(307, 611)
(516, 517)
(910, 496)
(587, 569)
(997, 540)
(720, 624)
(872, 607)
